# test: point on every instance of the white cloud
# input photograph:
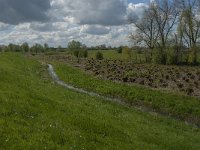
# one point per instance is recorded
(95, 29)
(104, 12)
(4, 26)
(92, 22)
(135, 11)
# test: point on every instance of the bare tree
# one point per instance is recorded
(190, 21)
(165, 14)
(146, 32)
(167, 23)
(189, 26)
(156, 24)
(147, 27)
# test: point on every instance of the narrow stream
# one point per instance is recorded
(120, 101)
(62, 83)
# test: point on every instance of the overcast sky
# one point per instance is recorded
(57, 22)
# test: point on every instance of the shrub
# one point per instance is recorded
(127, 52)
(171, 56)
(80, 53)
(84, 53)
(148, 56)
(74, 45)
(76, 53)
(192, 59)
(119, 50)
(159, 56)
(99, 56)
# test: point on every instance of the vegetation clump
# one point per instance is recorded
(99, 56)
(78, 49)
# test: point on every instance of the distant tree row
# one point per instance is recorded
(36, 48)
(73, 45)
(170, 29)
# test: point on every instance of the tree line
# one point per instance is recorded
(36, 48)
(40, 48)
(171, 31)
(75, 48)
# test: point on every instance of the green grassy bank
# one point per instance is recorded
(35, 113)
(183, 107)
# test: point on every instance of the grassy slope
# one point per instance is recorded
(37, 114)
(185, 107)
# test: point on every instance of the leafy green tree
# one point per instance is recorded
(25, 47)
(37, 48)
(11, 47)
(78, 49)
(74, 45)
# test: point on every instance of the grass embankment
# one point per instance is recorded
(184, 107)
(35, 113)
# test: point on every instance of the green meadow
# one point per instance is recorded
(36, 113)
(138, 57)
